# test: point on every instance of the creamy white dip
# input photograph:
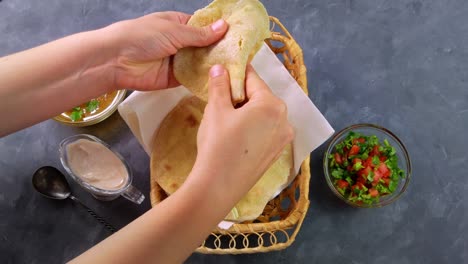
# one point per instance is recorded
(96, 164)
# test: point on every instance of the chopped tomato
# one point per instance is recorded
(387, 174)
(361, 179)
(342, 184)
(349, 168)
(338, 158)
(368, 162)
(386, 181)
(359, 140)
(354, 150)
(384, 170)
(345, 156)
(375, 151)
(382, 158)
(364, 172)
(373, 192)
(357, 186)
(356, 160)
(377, 177)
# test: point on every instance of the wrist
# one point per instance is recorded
(204, 195)
(211, 180)
(101, 66)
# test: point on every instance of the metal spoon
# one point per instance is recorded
(51, 183)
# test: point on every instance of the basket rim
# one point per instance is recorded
(301, 209)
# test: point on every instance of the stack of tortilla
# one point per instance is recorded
(175, 144)
(175, 151)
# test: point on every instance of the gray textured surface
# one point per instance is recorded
(402, 64)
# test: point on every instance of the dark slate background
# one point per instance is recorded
(401, 64)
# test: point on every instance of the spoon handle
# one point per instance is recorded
(91, 212)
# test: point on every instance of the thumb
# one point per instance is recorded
(219, 90)
(190, 36)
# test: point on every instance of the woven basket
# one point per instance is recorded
(282, 217)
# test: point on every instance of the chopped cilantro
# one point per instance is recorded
(375, 160)
(392, 186)
(357, 166)
(76, 115)
(364, 155)
(92, 105)
(370, 177)
(342, 191)
(337, 174)
(79, 112)
(386, 143)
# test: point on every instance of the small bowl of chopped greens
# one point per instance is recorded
(367, 166)
(93, 111)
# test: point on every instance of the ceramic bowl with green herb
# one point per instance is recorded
(93, 111)
(367, 166)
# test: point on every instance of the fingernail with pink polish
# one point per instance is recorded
(218, 25)
(216, 71)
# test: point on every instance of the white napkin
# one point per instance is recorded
(144, 111)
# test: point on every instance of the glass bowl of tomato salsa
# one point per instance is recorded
(367, 166)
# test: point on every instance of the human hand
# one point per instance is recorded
(236, 146)
(142, 48)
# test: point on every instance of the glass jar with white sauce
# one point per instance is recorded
(98, 169)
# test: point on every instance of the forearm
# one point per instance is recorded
(39, 83)
(169, 232)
